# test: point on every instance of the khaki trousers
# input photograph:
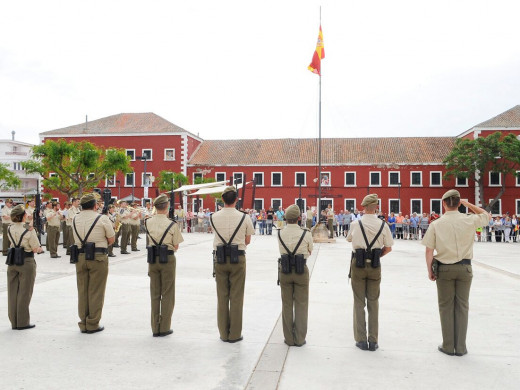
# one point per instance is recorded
(162, 293)
(63, 227)
(365, 287)
(453, 285)
(91, 276)
(70, 238)
(295, 306)
(231, 279)
(309, 224)
(118, 233)
(53, 237)
(134, 232)
(125, 235)
(330, 227)
(20, 284)
(5, 238)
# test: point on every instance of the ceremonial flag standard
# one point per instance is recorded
(319, 54)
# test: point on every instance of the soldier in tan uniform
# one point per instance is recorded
(134, 224)
(330, 221)
(162, 275)
(53, 229)
(366, 275)
(310, 216)
(6, 221)
(71, 213)
(29, 210)
(452, 237)
(124, 217)
(63, 223)
(91, 274)
(180, 215)
(294, 285)
(231, 278)
(20, 278)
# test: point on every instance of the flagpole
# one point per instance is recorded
(319, 147)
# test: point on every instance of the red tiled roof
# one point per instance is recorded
(509, 118)
(335, 151)
(147, 122)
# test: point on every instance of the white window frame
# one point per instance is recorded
(345, 204)
(220, 173)
(431, 174)
(461, 185)
(499, 206)
(431, 205)
(411, 206)
(166, 158)
(323, 173)
(517, 208)
(106, 181)
(345, 178)
(144, 200)
(304, 203)
(194, 200)
(304, 179)
(263, 203)
(241, 175)
(517, 179)
(499, 179)
(370, 179)
(421, 177)
(53, 174)
(390, 209)
(193, 176)
(130, 150)
(398, 179)
(263, 178)
(272, 180)
(273, 199)
(142, 179)
(151, 154)
(133, 175)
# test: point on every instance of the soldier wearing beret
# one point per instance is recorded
(91, 275)
(53, 216)
(231, 278)
(6, 221)
(294, 286)
(452, 237)
(20, 278)
(367, 279)
(162, 275)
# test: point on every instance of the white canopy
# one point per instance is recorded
(197, 186)
(213, 190)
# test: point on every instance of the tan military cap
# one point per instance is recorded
(450, 193)
(229, 189)
(161, 199)
(292, 212)
(87, 198)
(18, 210)
(369, 199)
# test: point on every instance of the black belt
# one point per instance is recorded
(240, 253)
(463, 261)
(28, 254)
(169, 253)
(96, 250)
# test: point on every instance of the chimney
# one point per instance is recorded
(12, 134)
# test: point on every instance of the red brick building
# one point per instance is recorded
(406, 173)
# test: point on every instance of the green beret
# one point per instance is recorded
(18, 210)
(292, 212)
(87, 198)
(369, 199)
(450, 193)
(161, 199)
(229, 189)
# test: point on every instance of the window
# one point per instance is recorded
(517, 207)
(497, 207)
(90, 176)
(131, 153)
(394, 206)
(300, 179)
(276, 179)
(375, 179)
(129, 179)
(259, 177)
(146, 153)
(495, 179)
(196, 205)
(276, 203)
(416, 179)
(518, 179)
(110, 181)
(17, 166)
(350, 179)
(326, 179)
(220, 176)
(416, 206)
(197, 176)
(144, 201)
(461, 182)
(259, 204)
(435, 179)
(302, 203)
(52, 174)
(350, 204)
(169, 154)
(146, 181)
(436, 206)
(238, 177)
(394, 178)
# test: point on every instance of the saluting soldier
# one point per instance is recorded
(20, 278)
(231, 278)
(294, 285)
(162, 231)
(452, 237)
(29, 210)
(53, 229)
(330, 220)
(6, 221)
(366, 275)
(91, 275)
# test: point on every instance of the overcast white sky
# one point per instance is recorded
(238, 69)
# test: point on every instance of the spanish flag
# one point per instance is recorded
(319, 54)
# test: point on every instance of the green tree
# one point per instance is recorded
(8, 178)
(167, 180)
(78, 166)
(475, 158)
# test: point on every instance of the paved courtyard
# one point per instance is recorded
(56, 355)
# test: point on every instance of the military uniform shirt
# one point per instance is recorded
(135, 218)
(124, 215)
(158, 224)
(371, 225)
(53, 217)
(291, 235)
(452, 235)
(99, 234)
(225, 222)
(6, 212)
(71, 214)
(330, 214)
(29, 240)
